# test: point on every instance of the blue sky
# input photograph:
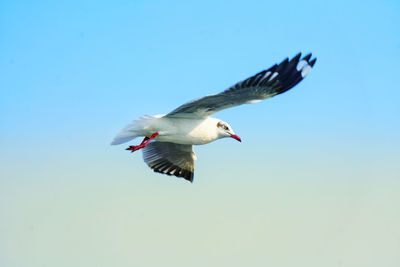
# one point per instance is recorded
(317, 163)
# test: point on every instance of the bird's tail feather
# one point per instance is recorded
(134, 129)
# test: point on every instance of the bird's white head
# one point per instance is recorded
(225, 130)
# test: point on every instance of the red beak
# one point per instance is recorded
(234, 136)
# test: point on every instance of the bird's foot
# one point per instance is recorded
(135, 148)
(144, 143)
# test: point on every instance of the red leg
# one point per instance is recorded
(144, 140)
(144, 143)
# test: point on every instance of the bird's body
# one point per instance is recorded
(179, 130)
(183, 131)
(169, 139)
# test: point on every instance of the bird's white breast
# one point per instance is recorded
(187, 131)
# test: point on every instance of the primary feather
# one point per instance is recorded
(268, 83)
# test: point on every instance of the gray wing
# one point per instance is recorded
(170, 159)
(268, 83)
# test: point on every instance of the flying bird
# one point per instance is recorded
(168, 139)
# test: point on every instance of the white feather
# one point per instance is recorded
(253, 101)
(138, 127)
(301, 64)
(305, 70)
(273, 76)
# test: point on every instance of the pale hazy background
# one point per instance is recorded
(315, 182)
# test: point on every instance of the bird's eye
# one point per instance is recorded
(226, 128)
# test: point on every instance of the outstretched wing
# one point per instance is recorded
(268, 83)
(170, 159)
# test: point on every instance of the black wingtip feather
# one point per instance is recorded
(180, 173)
(163, 166)
(312, 62)
(307, 57)
(285, 76)
(296, 57)
(282, 66)
(286, 60)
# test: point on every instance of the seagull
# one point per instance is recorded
(168, 139)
